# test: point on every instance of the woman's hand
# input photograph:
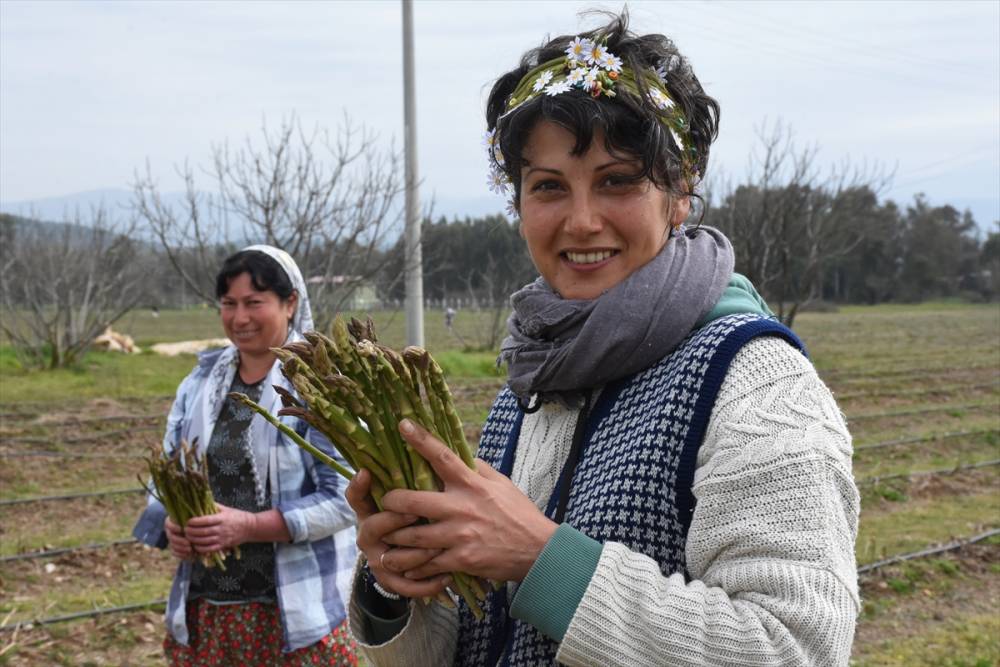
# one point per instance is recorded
(180, 547)
(225, 529)
(386, 563)
(481, 522)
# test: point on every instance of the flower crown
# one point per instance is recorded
(590, 67)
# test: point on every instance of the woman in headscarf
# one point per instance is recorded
(664, 480)
(282, 601)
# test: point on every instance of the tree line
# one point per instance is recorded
(804, 237)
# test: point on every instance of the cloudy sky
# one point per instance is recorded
(89, 91)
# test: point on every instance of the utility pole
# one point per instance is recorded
(414, 259)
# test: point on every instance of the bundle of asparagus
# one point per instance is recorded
(355, 391)
(180, 482)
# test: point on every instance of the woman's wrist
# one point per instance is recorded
(266, 526)
(379, 601)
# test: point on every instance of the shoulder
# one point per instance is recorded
(772, 403)
(208, 358)
(207, 361)
(763, 361)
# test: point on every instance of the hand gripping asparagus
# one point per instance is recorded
(180, 483)
(356, 391)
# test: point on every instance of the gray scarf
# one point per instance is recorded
(559, 347)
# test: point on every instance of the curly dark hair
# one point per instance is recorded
(632, 126)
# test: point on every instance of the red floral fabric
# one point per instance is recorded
(250, 634)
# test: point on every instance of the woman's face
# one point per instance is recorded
(255, 321)
(587, 226)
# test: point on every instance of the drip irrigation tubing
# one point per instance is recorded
(920, 411)
(66, 550)
(47, 405)
(68, 455)
(951, 546)
(916, 392)
(84, 438)
(924, 438)
(83, 614)
(96, 420)
(875, 479)
(896, 372)
(870, 567)
(72, 496)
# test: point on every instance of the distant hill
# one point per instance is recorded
(64, 208)
(117, 203)
(14, 225)
(17, 224)
(119, 200)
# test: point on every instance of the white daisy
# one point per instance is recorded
(597, 55)
(590, 78)
(611, 62)
(489, 138)
(576, 75)
(657, 97)
(557, 87)
(497, 181)
(512, 210)
(542, 80)
(661, 74)
(579, 48)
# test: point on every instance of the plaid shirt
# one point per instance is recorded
(313, 571)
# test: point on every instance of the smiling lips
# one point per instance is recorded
(246, 334)
(589, 258)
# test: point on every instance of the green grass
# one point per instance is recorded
(932, 455)
(58, 524)
(469, 364)
(106, 374)
(98, 375)
(904, 526)
(101, 590)
(962, 641)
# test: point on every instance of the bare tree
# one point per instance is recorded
(329, 202)
(61, 284)
(491, 303)
(790, 221)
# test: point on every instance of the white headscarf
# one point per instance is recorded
(261, 437)
(303, 320)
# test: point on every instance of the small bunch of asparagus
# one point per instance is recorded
(355, 391)
(180, 482)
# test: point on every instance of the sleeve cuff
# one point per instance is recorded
(294, 521)
(549, 595)
(379, 628)
(149, 528)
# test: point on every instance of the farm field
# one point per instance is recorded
(920, 387)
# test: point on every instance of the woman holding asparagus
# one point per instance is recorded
(281, 601)
(664, 480)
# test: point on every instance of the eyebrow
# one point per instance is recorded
(613, 163)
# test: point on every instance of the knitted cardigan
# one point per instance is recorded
(656, 597)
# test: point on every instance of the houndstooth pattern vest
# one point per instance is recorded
(632, 483)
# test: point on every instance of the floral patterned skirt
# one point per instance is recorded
(250, 634)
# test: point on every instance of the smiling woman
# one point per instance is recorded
(664, 480)
(281, 602)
